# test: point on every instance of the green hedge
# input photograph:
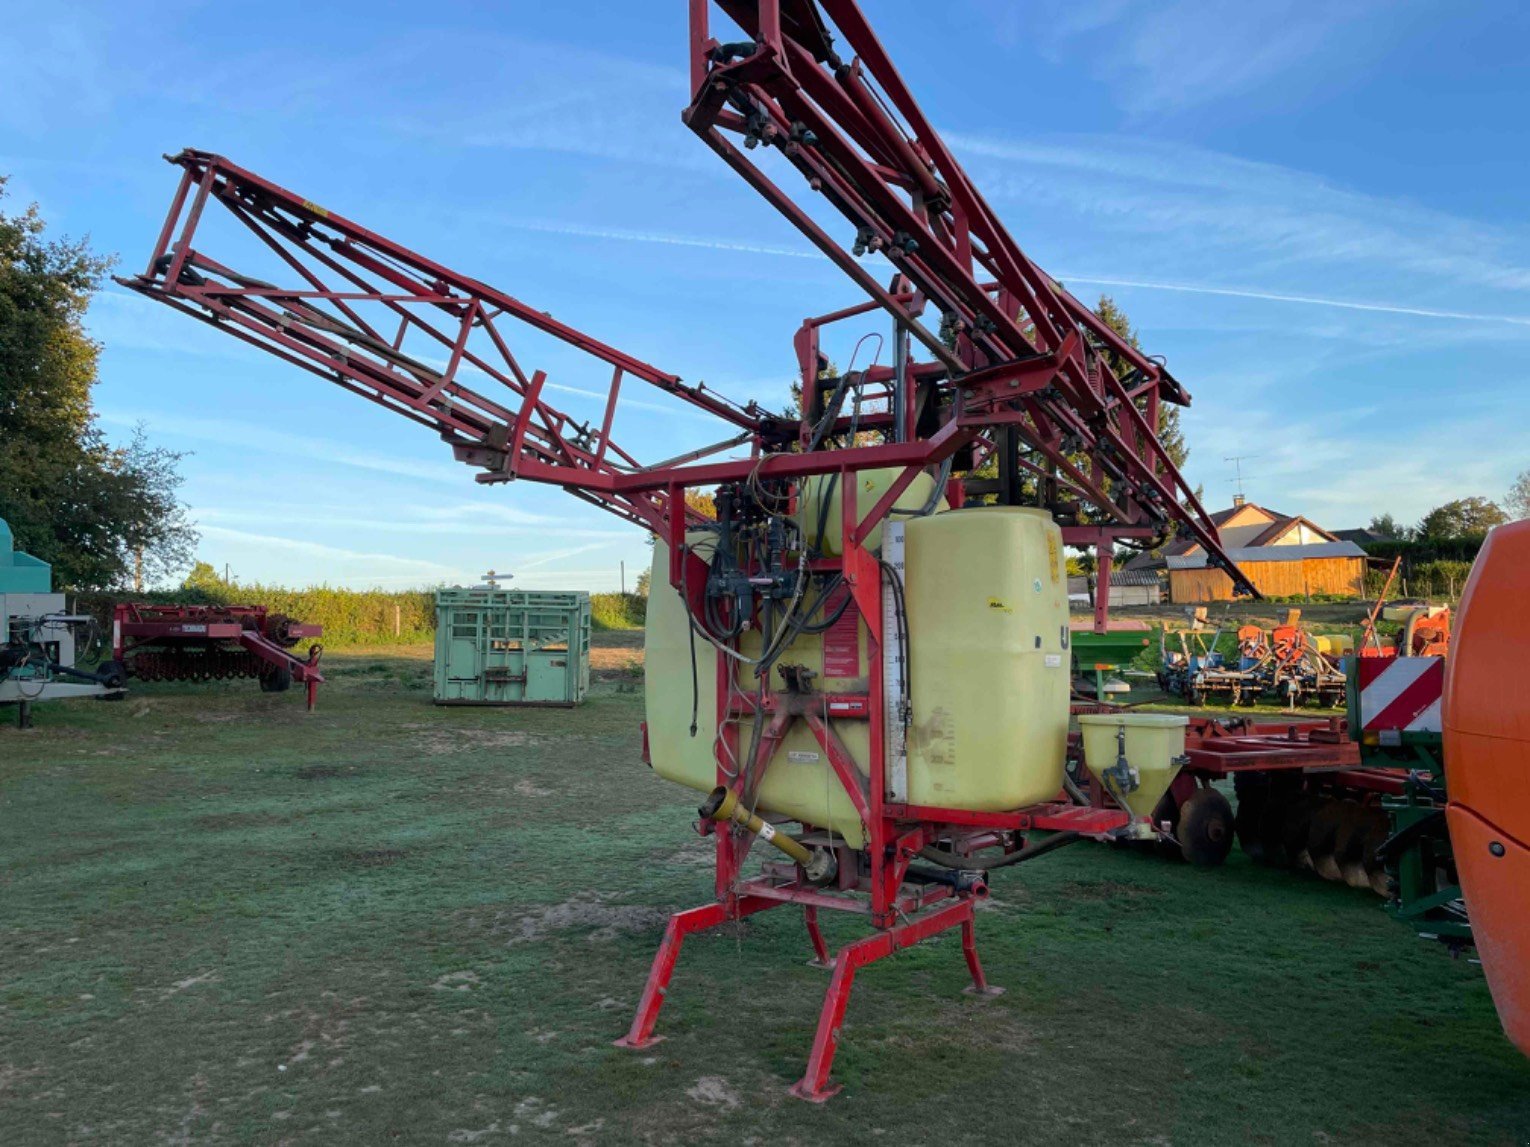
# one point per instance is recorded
(618, 610)
(1431, 567)
(1422, 550)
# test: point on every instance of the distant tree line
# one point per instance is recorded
(1438, 551)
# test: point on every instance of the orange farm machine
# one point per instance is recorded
(850, 664)
(1288, 663)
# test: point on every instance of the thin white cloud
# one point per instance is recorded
(1312, 300)
(662, 237)
(251, 436)
(1167, 56)
(1183, 206)
(618, 234)
(415, 567)
(1404, 479)
(471, 521)
(560, 555)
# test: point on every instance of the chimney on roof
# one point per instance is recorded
(1237, 500)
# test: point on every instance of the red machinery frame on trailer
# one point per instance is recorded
(207, 642)
(1028, 382)
(1311, 756)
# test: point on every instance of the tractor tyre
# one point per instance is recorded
(114, 676)
(1271, 829)
(1206, 828)
(1296, 828)
(276, 681)
(1252, 792)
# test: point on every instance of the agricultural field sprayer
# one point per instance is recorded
(852, 664)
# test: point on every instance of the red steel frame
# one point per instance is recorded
(136, 628)
(1028, 381)
(1030, 360)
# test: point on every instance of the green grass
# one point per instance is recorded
(223, 919)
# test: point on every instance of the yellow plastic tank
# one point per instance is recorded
(987, 596)
(667, 642)
(1335, 644)
(798, 782)
(1154, 745)
(870, 485)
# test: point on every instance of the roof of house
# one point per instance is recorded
(1118, 576)
(1264, 530)
(1254, 554)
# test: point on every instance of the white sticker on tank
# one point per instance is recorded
(801, 756)
(1053, 660)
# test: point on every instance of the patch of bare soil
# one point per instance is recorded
(439, 742)
(586, 910)
(714, 1091)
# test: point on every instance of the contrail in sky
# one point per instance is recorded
(1094, 280)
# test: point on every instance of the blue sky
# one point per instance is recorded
(1315, 211)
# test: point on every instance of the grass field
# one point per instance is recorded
(223, 919)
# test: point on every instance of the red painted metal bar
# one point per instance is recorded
(352, 283)
(850, 127)
(814, 1084)
(681, 925)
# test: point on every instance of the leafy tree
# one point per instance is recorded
(1389, 527)
(1169, 432)
(204, 579)
(97, 512)
(1461, 518)
(1518, 501)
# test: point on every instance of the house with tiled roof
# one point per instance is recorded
(1284, 555)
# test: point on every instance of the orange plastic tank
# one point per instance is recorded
(1487, 767)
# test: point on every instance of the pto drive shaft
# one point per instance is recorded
(722, 806)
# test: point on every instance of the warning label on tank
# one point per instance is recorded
(842, 642)
(801, 756)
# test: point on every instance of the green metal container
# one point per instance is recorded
(511, 647)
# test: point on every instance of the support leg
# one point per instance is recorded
(820, 949)
(814, 1085)
(681, 924)
(980, 985)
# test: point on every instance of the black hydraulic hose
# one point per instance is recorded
(805, 626)
(691, 641)
(933, 500)
(79, 674)
(950, 860)
(830, 411)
